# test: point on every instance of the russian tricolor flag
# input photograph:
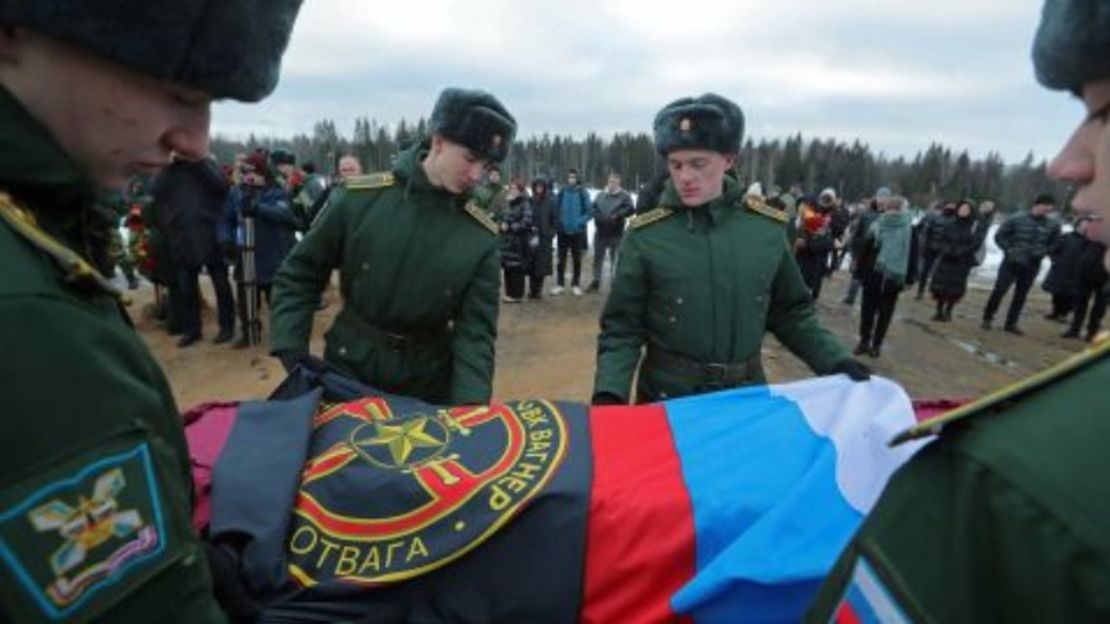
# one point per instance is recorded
(723, 508)
(777, 478)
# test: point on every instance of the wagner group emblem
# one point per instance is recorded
(390, 493)
(84, 534)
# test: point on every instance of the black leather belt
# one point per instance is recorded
(709, 374)
(394, 341)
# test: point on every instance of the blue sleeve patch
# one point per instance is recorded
(867, 599)
(77, 537)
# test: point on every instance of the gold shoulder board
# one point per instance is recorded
(378, 180)
(77, 269)
(757, 206)
(473, 209)
(649, 217)
(934, 425)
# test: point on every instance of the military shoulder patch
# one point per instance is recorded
(377, 180)
(77, 270)
(936, 424)
(80, 536)
(440, 483)
(757, 206)
(473, 209)
(867, 599)
(649, 217)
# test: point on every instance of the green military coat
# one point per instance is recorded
(703, 285)
(95, 482)
(1005, 517)
(491, 198)
(420, 277)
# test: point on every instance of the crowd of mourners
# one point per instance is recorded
(189, 220)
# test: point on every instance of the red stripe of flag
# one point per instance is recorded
(640, 540)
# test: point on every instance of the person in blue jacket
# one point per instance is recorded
(574, 213)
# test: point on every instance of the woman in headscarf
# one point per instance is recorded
(887, 263)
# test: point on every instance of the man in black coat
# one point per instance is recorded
(1062, 280)
(189, 196)
(1092, 279)
(1025, 239)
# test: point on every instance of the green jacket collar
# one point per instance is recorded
(409, 166)
(715, 209)
(29, 155)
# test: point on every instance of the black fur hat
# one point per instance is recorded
(708, 122)
(476, 119)
(226, 48)
(1072, 46)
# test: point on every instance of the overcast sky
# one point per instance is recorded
(896, 74)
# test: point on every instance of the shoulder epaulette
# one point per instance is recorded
(473, 209)
(77, 269)
(934, 425)
(378, 180)
(649, 217)
(757, 206)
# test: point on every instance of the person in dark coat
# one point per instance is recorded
(190, 197)
(956, 243)
(259, 197)
(1062, 281)
(517, 234)
(815, 243)
(885, 265)
(1025, 239)
(857, 239)
(648, 197)
(1091, 280)
(929, 239)
(545, 217)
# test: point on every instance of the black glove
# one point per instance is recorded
(606, 398)
(249, 205)
(231, 592)
(853, 369)
(290, 359)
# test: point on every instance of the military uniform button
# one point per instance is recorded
(342, 350)
(678, 300)
(365, 266)
(673, 319)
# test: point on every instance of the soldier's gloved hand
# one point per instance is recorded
(855, 370)
(606, 398)
(231, 592)
(290, 359)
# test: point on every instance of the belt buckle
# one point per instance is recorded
(396, 342)
(717, 372)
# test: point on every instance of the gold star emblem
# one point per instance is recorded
(403, 439)
(685, 124)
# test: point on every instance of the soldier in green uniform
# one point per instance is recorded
(95, 481)
(704, 275)
(491, 195)
(418, 264)
(1005, 515)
